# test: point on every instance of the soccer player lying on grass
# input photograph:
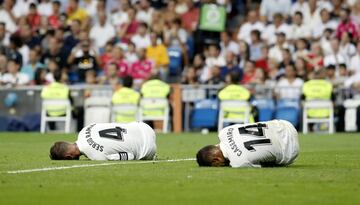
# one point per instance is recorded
(109, 141)
(262, 144)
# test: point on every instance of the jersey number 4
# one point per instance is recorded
(113, 133)
(249, 130)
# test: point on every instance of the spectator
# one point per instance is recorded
(275, 52)
(106, 56)
(90, 6)
(7, 16)
(277, 26)
(354, 67)
(269, 7)
(347, 25)
(336, 57)
(158, 54)
(131, 55)
(74, 12)
(256, 45)
(54, 52)
(117, 57)
(191, 17)
(3, 63)
(74, 36)
(33, 65)
(287, 59)
(189, 77)
(289, 85)
(302, 6)
(111, 77)
(170, 14)
(45, 8)
(227, 44)
(249, 72)
(175, 37)
(82, 59)
(120, 16)
(102, 32)
(144, 14)
(142, 38)
(13, 77)
(129, 28)
(54, 18)
(325, 42)
(301, 48)
(231, 66)
(346, 47)
(251, 24)
(33, 17)
(21, 7)
(244, 53)
(298, 28)
(301, 71)
(90, 77)
(40, 77)
(52, 67)
(325, 23)
(12, 52)
(142, 69)
(262, 61)
(315, 58)
(215, 76)
(4, 37)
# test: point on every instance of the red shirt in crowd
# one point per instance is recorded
(142, 69)
(54, 21)
(348, 26)
(34, 21)
(190, 19)
(123, 67)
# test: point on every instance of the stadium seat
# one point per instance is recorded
(175, 65)
(289, 110)
(266, 108)
(243, 108)
(127, 113)
(350, 114)
(204, 114)
(57, 103)
(97, 110)
(153, 109)
(318, 104)
(4, 122)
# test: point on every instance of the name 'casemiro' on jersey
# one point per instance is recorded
(109, 141)
(271, 143)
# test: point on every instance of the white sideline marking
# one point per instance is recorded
(96, 165)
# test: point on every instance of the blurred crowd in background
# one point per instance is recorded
(269, 42)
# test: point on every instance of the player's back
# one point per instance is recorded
(116, 141)
(268, 143)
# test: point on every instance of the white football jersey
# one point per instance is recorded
(260, 144)
(115, 141)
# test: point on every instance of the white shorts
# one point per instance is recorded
(149, 148)
(289, 142)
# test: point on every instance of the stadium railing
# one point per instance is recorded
(20, 101)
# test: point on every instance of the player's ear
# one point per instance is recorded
(68, 157)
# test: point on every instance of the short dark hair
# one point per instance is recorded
(299, 13)
(58, 151)
(57, 75)
(127, 81)
(203, 157)
(234, 77)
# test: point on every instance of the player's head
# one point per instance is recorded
(211, 156)
(64, 151)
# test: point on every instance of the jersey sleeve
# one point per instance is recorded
(122, 156)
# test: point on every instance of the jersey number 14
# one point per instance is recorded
(248, 130)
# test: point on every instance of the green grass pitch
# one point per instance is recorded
(326, 172)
